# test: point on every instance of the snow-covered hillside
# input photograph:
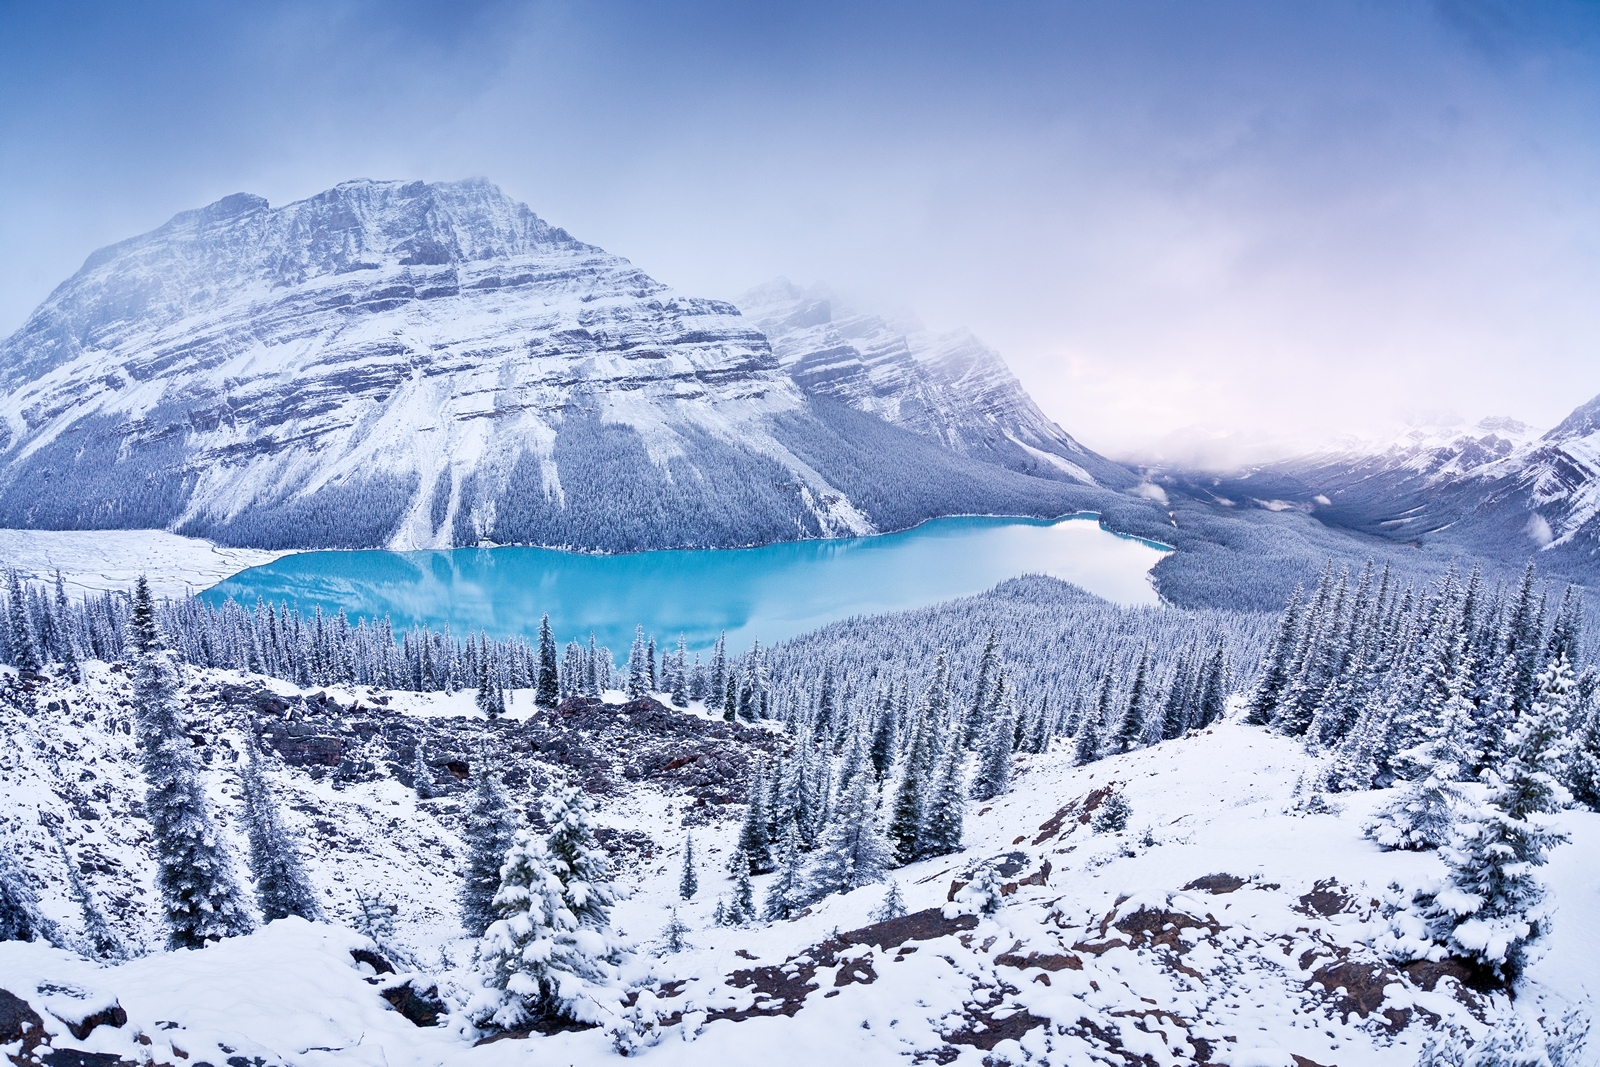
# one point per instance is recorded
(1233, 921)
(98, 561)
(419, 365)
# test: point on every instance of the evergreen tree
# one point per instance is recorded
(490, 827)
(24, 651)
(651, 678)
(421, 773)
(853, 851)
(742, 908)
(941, 829)
(788, 893)
(994, 759)
(1112, 816)
(577, 858)
(1131, 734)
(638, 676)
(1492, 905)
(825, 698)
(680, 680)
(719, 669)
(1584, 763)
(375, 919)
(689, 880)
(1276, 666)
(200, 899)
(982, 698)
(730, 697)
(282, 888)
(1424, 815)
(893, 906)
(67, 651)
(672, 937)
(754, 842)
(547, 687)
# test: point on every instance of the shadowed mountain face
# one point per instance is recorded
(417, 365)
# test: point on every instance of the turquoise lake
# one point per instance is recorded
(772, 592)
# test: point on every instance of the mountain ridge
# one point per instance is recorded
(411, 365)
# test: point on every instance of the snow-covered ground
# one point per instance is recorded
(1232, 923)
(100, 560)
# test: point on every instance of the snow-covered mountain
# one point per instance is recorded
(948, 387)
(413, 365)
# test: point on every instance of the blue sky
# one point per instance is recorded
(1286, 219)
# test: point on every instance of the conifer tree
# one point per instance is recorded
(651, 678)
(194, 872)
(672, 937)
(1131, 734)
(1492, 904)
(1112, 816)
(421, 773)
(994, 758)
(893, 906)
(66, 640)
(282, 888)
(689, 879)
(982, 698)
(547, 686)
(638, 676)
(1276, 666)
(788, 893)
(754, 842)
(577, 858)
(24, 651)
(375, 919)
(853, 851)
(680, 680)
(1424, 815)
(941, 829)
(742, 907)
(490, 827)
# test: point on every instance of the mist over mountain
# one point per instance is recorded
(425, 365)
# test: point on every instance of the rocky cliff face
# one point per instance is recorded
(950, 387)
(417, 365)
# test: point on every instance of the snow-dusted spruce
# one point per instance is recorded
(282, 888)
(893, 906)
(994, 754)
(788, 892)
(638, 672)
(1112, 816)
(490, 825)
(741, 906)
(689, 879)
(1492, 905)
(1424, 815)
(672, 935)
(547, 685)
(200, 897)
(551, 954)
(853, 851)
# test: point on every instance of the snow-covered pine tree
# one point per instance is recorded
(680, 675)
(699, 684)
(982, 697)
(754, 842)
(486, 699)
(421, 773)
(1131, 733)
(374, 918)
(823, 724)
(67, 651)
(1492, 904)
(672, 938)
(200, 897)
(638, 674)
(945, 809)
(282, 888)
(788, 893)
(689, 880)
(1583, 765)
(1112, 816)
(853, 851)
(652, 679)
(742, 907)
(1424, 815)
(994, 753)
(25, 655)
(577, 858)
(547, 685)
(490, 826)
(893, 906)
(1276, 666)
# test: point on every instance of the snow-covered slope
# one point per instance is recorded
(947, 387)
(101, 561)
(1232, 923)
(416, 365)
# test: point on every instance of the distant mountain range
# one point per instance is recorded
(1499, 488)
(424, 365)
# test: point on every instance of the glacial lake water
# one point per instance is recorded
(772, 592)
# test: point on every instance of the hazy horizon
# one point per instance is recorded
(1285, 224)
